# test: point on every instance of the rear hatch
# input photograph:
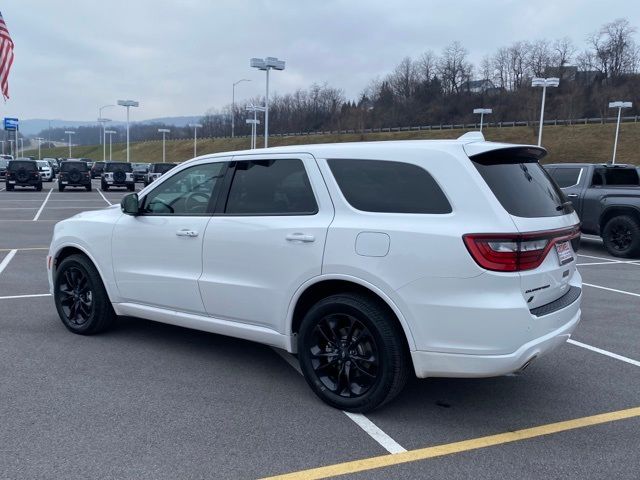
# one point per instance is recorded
(542, 216)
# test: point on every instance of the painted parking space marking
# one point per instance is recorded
(35, 219)
(375, 432)
(611, 289)
(23, 249)
(373, 463)
(7, 259)
(604, 352)
(35, 295)
(104, 198)
(610, 260)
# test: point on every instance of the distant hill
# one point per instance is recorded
(34, 126)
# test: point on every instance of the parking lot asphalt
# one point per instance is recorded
(147, 400)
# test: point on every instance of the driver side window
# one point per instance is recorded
(187, 192)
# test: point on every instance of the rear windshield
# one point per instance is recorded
(520, 184)
(616, 177)
(27, 165)
(68, 166)
(113, 167)
(163, 167)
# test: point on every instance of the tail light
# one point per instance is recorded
(515, 252)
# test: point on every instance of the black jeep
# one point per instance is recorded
(117, 174)
(23, 173)
(74, 173)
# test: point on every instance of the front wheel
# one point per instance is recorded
(621, 236)
(60, 188)
(352, 353)
(88, 187)
(131, 188)
(80, 297)
(39, 187)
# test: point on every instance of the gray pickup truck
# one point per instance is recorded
(607, 199)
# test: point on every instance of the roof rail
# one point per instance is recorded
(472, 137)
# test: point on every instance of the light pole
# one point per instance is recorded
(254, 123)
(163, 131)
(39, 139)
(102, 137)
(3, 142)
(21, 147)
(544, 83)
(233, 104)
(69, 132)
(11, 148)
(619, 105)
(110, 132)
(267, 64)
(103, 122)
(195, 127)
(482, 112)
(128, 104)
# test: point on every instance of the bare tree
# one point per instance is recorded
(539, 57)
(453, 68)
(426, 66)
(404, 79)
(614, 49)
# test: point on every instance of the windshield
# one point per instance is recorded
(163, 167)
(520, 183)
(116, 166)
(43, 163)
(68, 166)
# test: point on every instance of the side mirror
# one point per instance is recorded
(130, 204)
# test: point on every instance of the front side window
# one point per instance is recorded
(185, 193)
(388, 187)
(271, 187)
(566, 177)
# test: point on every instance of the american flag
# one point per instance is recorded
(6, 57)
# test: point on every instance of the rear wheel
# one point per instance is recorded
(131, 188)
(39, 187)
(9, 188)
(621, 236)
(88, 187)
(60, 188)
(351, 353)
(80, 297)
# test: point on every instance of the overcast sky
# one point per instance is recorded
(181, 57)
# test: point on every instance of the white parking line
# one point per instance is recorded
(384, 440)
(103, 197)
(611, 289)
(42, 206)
(604, 352)
(11, 297)
(7, 259)
(2, 189)
(630, 262)
(600, 258)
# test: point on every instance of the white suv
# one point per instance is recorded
(368, 260)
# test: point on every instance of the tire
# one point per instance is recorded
(61, 188)
(131, 188)
(88, 187)
(39, 187)
(9, 188)
(104, 186)
(377, 337)
(95, 318)
(621, 237)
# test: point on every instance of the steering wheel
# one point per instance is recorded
(192, 203)
(165, 204)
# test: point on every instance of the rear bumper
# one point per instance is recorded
(438, 364)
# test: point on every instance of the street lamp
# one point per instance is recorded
(619, 105)
(103, 122)
(39, 139)
(482, 112)
(163, 131)
(195, 127)
(110, 132)
(233, 104)
(69, 132)
(11, 149)
(544, 83)
(101, 138)
(254, 123)
(128, 104)
(266, 64)
(21, 147)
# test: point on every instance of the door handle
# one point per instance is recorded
(300, 237)
(573, 195)
(185, 232)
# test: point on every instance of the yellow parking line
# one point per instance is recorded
(457, 447)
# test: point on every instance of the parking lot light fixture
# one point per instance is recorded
(619, 105)
(21, 147)
(128, 104)
(69, 133)
(103, 122)
(110, 133)
(164, 132)
(254, 123)
(233, 104)
(101, 136)
(266, 64)
(11, 148)
(195, 127)
(482, 112)
(544, 83)
(39, 140)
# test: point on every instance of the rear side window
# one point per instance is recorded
(388, 187)
(520, 183)
(270, 187)
(566, 177)
(616, 177)
(27, 165)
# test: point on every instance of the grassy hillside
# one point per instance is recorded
(576, 143)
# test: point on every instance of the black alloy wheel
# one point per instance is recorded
(352, 352)
(76, 297)
(621, 237)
